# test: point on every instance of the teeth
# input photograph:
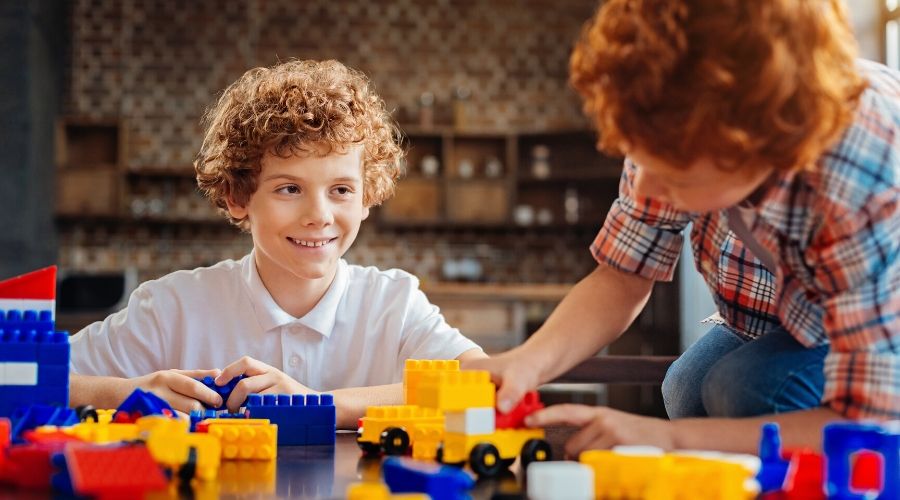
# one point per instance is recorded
(310, 243)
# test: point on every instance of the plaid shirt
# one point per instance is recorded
(835, 233)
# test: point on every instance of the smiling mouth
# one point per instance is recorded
(311, 243)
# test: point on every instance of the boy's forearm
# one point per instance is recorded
(351, 403)
(100, 392)
(798, 429)
(591, 316)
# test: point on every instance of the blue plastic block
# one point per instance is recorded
(842, 440)
(145, 403)
(773, 468)
(198, 416)
(39, 321)
(52, 375)
(54, 349)
(29, 417)
(440, 482)
(295, 414)
(222, 390)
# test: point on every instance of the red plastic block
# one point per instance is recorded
(515, 419)
(113, 472)
(29, 464)
(40, 284)
(805, 477)
(867, 469)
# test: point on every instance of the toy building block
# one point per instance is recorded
(301, 420)
(35, 290)
(470, 421)
(28, 465)
(455, 391)
(245, 439)
(805, 476)
(404, 475)
(427, 439)
(254, 478)
(867, 472)
(391, 429)
(31, 417)
(222, 390)
(97, 433)
(843, 440)
(113, 471)
(177, 450)
(516, 417)
(198, 416)
(489, 454)
(773, 467)
(560, 481)
(415, 368)
(141, 404)
(34, 361)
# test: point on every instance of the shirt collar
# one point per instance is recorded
(270, 315)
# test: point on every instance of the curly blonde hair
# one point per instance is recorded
(296, 107)
(745, 82)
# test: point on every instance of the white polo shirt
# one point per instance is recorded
(361, 332)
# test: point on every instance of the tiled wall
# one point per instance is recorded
(155, 65)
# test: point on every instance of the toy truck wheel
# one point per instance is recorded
(394, 441)
(535, 450)
(87, 412)
(485, 460)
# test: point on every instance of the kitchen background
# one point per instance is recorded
(102, 102)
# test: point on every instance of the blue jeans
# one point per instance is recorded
(724, 375)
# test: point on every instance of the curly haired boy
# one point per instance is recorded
(754, 122)
(295, 154)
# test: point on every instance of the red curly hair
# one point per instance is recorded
(744, 82)
(297, 107)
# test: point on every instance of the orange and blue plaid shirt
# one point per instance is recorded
(835, 233)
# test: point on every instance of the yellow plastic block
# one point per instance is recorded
(379, 418)
(622, 476)
(426, 437)
(509, 442)
(93, 432)
(455, 391)
(415, 368)
(245, 441)
(170, 444)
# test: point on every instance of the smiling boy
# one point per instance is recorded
(295, 155)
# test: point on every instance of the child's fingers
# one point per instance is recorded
(183, 404)
(594, 436)
(200, 373)
(193, 389)
(244, 366)
(566, 414)
(510, 392)
(250, 385)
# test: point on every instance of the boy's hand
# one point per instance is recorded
(179, 388)
(261, 379)
(514, 377)
(603, 428)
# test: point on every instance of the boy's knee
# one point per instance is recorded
(729, 391)
(679, 392)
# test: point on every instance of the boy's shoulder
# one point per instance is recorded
(865, 161)
(373, 277)
(195, 281)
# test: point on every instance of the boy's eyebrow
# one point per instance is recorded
(295, 178)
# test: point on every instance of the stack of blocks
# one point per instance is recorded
(301, 420)
(34, 358)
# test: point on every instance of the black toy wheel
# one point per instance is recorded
(485, 460)
(87, 412)
(394, 441)
(535, 450)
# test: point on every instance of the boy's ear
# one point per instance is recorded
(365, 213)
(236, 211)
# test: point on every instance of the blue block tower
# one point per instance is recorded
(302, 420)
(34, 357)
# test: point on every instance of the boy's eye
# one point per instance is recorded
(343, 190)
(290, 189)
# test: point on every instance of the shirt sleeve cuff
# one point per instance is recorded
(862, 385)
(629, 245)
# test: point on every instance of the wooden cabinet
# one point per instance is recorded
(483, 179)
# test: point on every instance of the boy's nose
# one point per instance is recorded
(318, 213)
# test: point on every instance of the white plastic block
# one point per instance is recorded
(470, 421)
(20, 373)
(560, 481)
